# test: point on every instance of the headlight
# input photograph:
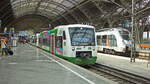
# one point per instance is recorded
(73, 48)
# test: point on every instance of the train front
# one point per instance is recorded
(83, 45)
(126, 40)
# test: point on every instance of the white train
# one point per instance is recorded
(75, 43)
(112, 40)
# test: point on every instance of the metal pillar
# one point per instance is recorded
(132, 57)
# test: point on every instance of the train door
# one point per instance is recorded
(53, 44)
(64, 44)
(58, 45)
(42, 43)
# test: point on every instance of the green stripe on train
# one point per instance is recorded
(79, 61)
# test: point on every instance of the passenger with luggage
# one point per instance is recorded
(5, 49)
(3, 46)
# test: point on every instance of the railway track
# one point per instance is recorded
(116, 75)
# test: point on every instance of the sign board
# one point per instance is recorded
(23, 33)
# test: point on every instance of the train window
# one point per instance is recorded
(104, 39)
(112, 40)
(99, 40)
(45, 41)
(82, 36)
(125, 35)
(58, 42)
(99, 37)
(40, 41)
(64, 35)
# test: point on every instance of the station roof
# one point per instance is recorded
(48, 8)
(97, 12)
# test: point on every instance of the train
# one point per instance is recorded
(113, 40)
(75, 43)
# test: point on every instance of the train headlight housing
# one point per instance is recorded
(73, 48)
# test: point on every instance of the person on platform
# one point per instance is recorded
(4, 46)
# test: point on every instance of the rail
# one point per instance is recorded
(119, 76)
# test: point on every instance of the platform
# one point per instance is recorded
(139, 67)
(30, 65)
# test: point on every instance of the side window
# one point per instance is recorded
(104, 39)
(47, 42)
(64, 35)
(114, 40)
(110, 38)
(99, 40)
(44, 41)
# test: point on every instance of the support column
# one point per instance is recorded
(132, 55)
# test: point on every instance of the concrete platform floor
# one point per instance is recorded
(30, 65)
(139, 67)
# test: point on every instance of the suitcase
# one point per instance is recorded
(10, 52)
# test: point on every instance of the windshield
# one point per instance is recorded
(125, 34)
(82, 36)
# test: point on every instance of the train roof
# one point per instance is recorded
(111, 29)
(75, 25)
